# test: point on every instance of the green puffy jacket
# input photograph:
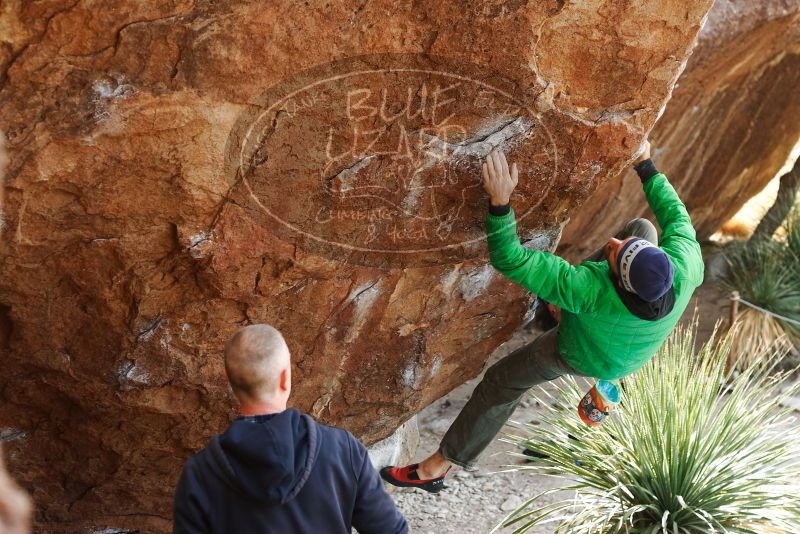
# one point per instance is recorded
(597, 335)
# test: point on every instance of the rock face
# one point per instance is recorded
(727, 130)
(179, 171)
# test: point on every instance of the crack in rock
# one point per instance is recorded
(344, 180)
(507, 134)
(148, 330)
(12, 434)
(436, 150)
(199, 244)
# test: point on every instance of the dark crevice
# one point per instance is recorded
(258, 276)
(259, 157)
(431, 40)
(483, 138)
(10, 61)
(335, 182)
(175, 66)
(149, 329)
(11, 435)
(85, 491)
(357, 295)
(6, 326)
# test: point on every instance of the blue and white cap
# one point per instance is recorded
(644, 269)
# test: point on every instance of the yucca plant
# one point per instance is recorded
(756, 329)
(686, 452)
(791, 227)
(766, 274)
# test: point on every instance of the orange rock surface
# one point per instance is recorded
(180, 169)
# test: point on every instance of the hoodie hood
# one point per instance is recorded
(268, 458)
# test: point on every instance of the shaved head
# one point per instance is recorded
(255, 357)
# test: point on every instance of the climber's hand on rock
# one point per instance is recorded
(643, 153)
(498, 181)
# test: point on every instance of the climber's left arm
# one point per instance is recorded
(678, 236)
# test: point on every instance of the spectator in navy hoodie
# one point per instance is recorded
(275, 469)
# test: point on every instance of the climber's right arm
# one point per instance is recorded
(547, 275)
(552, 278)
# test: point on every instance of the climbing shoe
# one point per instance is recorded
(533, 455)
(407, 477)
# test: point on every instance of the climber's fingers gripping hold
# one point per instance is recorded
(643, 153)
(498, 181)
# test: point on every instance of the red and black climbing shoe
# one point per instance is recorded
(407, 477)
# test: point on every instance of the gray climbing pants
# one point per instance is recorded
(505, 382)
(635, 227)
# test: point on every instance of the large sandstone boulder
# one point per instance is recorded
(180, 169)
(728, 129)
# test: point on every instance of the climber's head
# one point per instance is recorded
(640, 266)
(258, 366)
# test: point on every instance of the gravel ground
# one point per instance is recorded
(473, 501)
(478, 501)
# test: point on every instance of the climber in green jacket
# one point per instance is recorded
(615, 310)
